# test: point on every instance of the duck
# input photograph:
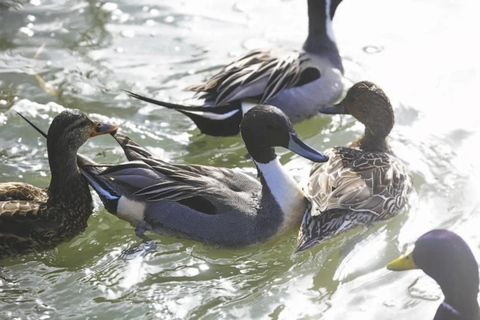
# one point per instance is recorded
(218, 206)
(32, 218)
(297, 82)
(361, 184)
(447, 258)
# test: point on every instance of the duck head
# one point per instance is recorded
(67, 133)
(447, 258)
(264, 127)
(369, 104)
(73, 128)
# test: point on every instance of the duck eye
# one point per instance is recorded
(270, 127)
(99, 125)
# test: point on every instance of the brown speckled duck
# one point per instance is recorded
(32, 218)
(360, 184)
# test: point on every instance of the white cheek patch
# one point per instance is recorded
(213, 116)
(131, 211)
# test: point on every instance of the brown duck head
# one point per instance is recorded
(369, 104)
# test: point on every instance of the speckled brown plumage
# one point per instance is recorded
(360, 184)
(21, 191)
(31, 218)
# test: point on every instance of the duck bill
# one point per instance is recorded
(103, 128)
(335, 109)
(301, 148)
(403, 263)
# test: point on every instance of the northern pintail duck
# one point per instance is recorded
(219, 206)
(447, 258)
(32, 218)
(299, 82)
(360, 184)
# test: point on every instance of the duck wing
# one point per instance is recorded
(203, 189)
(259, 75)
(21, 191)
(20, 223)
(372, 182)
(230, 178)
(353, 188)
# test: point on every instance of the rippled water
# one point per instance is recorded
(79, 54)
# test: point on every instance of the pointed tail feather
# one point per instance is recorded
(91, 171)
(170, 105)
(214, 120)
(321, 227)
(33, 125)
(131, 148)
(318, 228)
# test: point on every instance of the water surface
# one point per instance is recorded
(80, 54)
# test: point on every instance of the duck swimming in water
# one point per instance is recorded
(447, 258)
(32, 218)
(219, 206)
(299, 82)
(360, 184)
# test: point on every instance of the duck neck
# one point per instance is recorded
(461, 296)
(67, 186)
(320, 33)
(285, 190)
(372, 142)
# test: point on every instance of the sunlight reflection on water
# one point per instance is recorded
(420, 52)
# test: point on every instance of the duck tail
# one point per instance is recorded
(33, 125)
(92, 172)
(132, 150)
(318, 228)
(213, 120)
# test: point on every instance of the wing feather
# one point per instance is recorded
(359, 181)
(258, 75)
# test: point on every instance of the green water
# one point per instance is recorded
(79, 54)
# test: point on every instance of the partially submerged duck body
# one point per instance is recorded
(32, 218)
(448, 259)
(219, 206)
(299, 83)
(360, 184)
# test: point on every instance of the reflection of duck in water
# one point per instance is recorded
(299, 83)
(32, 218)
(447, 258)
(360, 184)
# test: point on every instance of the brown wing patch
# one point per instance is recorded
(358, 181)
(21, 191)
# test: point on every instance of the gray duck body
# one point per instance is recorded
(219, 206)
(299, 83)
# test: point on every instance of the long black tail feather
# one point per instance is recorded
(212, 120)
(33, 125)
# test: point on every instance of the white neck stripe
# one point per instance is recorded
(328, 21)
(286, 192)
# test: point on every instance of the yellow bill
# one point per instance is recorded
(403, 263)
